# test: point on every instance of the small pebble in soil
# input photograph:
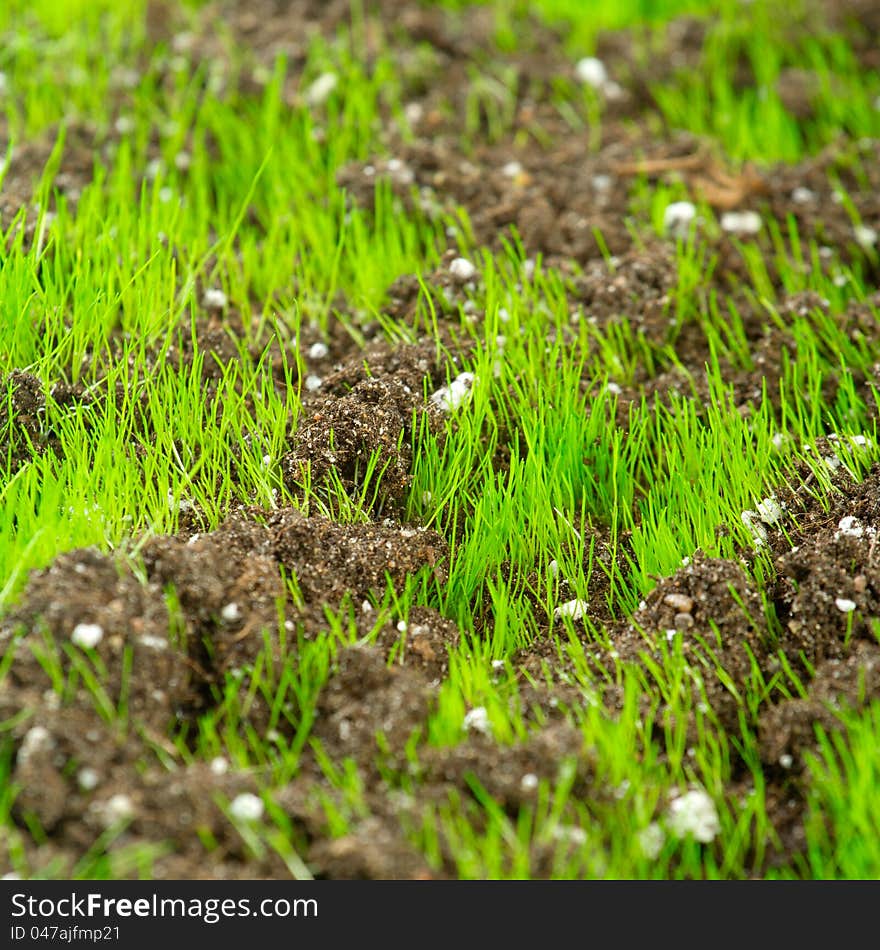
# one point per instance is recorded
(462, 269)
(449, 398)
(613, 389)
(572, 608)
(477, 720)
(511, 169)
(313, 382)
(786, 760)
(214, 299)
(219, 765)
(231, 612)
(529, 782)
(694, 814)
(845, 605)
(677, 218)
(317, 351)
(681, 602)
(741, 222)
(87, 635)
(321, 89)
(402, 626)
(246, 807)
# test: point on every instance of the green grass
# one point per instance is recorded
(535, 479)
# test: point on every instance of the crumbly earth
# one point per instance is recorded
(181, 614)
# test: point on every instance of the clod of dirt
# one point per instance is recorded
(359, 428)
(712, 609)
(375, 850)
(828, 588)
(87, 591)
(789, 728)
(22, 403)
(365, 697)
(331, 560)
(424, 643)
(639, 288)
(80, 778)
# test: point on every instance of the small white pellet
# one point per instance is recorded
(214, 299)
(462, 269)
(592, 72)
(865, 237)
(152, 642)
(477, 720)
(694, 814)
(677, 218)
(572, 608)
(87, 635)
(741, 222)
(651, 840)
(117, 808)
(321, 89)
(37, 739)
(449, 398)
(247, 807)
(851, 526)
(87, 778)
(770, 511)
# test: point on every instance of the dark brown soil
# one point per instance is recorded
(179, 615)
